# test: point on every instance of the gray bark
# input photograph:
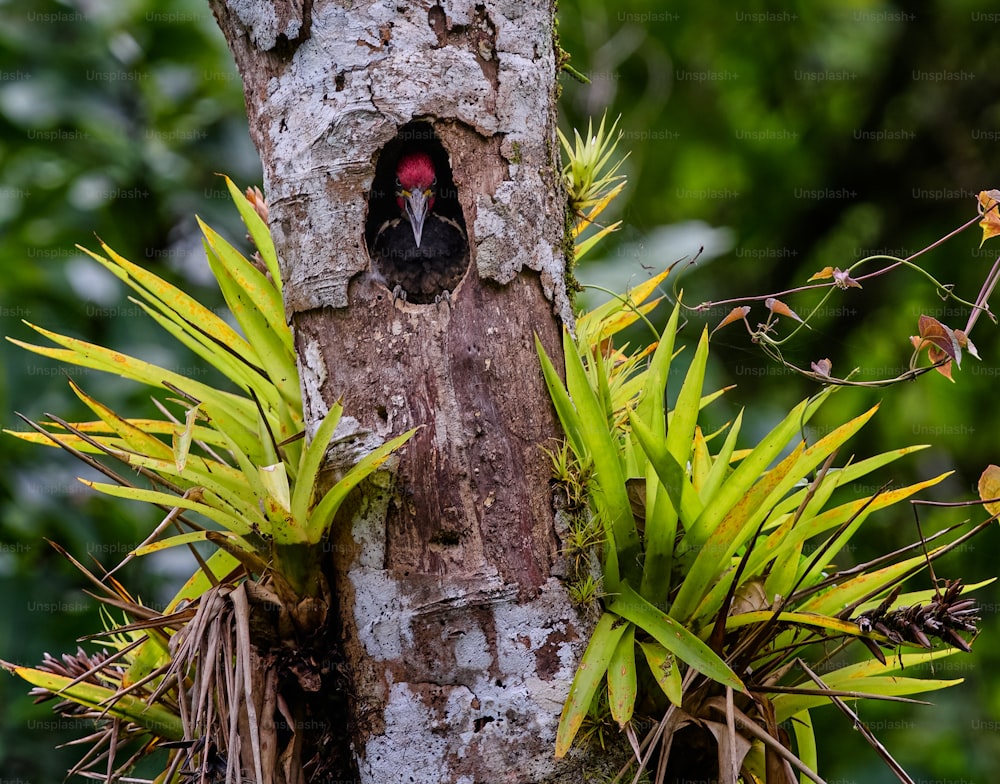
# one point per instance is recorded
(459, 640)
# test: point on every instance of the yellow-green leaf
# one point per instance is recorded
(323, 513)
(673, 636)
(589, 676)
(275, 481)
(191, 537)
(666, 673)
(989, 489)
(231, 522)
(622, 686)
(182, 440)
(159, 721)
(310, 461)
(259, 232)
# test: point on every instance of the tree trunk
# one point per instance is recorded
(459, 642)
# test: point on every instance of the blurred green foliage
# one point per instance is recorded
(784, 139)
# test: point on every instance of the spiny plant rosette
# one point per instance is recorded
(592, 183)
(945, 345)
(231, 468)
(719, 593)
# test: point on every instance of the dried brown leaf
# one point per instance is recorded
(734, 315)
(779, 308)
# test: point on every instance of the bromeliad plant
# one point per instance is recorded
(230, 468)
(720, 592)
(592, 183)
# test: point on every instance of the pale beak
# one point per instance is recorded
(416, 211)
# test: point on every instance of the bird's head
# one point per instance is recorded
(415, 184)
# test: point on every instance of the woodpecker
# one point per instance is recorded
(421, 255)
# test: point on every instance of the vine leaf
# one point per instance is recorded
(941, 342)
(734, 315)
(989, 488)
(964, 342)
(989, 208)
(779, 308)
(824, 274)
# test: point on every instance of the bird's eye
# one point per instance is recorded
(434, 182)
(398, 183)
